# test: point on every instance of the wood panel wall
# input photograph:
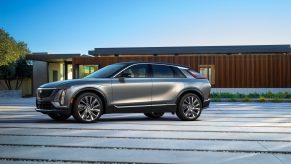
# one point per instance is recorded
(231, 71)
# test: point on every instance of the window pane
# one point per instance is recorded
(161, 71)
(208, 71)
(70, 71)
(137, 71)
(204, 72)
(107, 71)
(85, 70)
(178, 73)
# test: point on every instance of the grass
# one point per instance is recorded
(263, 97)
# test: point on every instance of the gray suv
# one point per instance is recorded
(149, 88)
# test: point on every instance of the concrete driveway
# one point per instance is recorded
(225, 133)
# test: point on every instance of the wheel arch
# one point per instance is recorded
(90, 90)
(190, 90)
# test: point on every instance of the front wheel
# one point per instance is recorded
(154, 115)
(59, 117)
(189, 108)
(88, 107)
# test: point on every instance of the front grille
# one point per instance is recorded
(43, 93)
(44, 105)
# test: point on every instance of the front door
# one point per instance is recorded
(132, 87)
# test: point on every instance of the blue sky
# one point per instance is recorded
(68, 26)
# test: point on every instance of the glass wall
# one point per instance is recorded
(55, 72)
(70, 71)
(85, 70)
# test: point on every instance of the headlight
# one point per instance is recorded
(60, 96)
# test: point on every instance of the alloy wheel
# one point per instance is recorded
(89, 108)
(191, 107)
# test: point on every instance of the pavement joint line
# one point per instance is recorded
(146, 138)
(67, 161)
(128, 118)
(208, 112)
(31, 115)
(244, 121)
(147, 149)
(247, 117)
(199, 125)
(153, 130)
(208, 125)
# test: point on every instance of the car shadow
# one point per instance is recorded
(106, 119)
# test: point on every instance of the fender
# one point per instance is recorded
(192, 89)
(89, 89)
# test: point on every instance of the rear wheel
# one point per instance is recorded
(59, 117)
(88, 107)
(189, 108)
(154, 114)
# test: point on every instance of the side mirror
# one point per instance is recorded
(126, 75)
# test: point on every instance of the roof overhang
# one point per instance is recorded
(191, 50)
(51, 57)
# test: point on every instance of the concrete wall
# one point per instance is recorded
(40, 74)
(26, 87)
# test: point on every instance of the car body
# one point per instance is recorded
(150, 88)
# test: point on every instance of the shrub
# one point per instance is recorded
(253, 95)
(268, 95)
(246, 99)
(276, 99)
(262, 99)
(233, 99)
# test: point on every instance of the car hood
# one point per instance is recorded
(69, 83)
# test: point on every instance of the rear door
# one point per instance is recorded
(167, 84)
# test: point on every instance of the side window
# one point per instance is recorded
(178, 73)
(136, 71)
(162, 71)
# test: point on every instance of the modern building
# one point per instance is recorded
(253, 66)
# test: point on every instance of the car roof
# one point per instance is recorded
(161, 63)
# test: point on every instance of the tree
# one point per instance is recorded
(13, 65)
(10, 49)
(16, 71)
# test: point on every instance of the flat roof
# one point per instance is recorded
(192, 50)
(51, 57)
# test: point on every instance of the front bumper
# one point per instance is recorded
(46, 107)
(206, 103)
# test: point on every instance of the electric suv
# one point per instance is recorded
(135, 87)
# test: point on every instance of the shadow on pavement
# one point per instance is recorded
(72, 121)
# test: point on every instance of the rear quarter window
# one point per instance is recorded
(163, 71)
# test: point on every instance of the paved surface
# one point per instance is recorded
(225, 133)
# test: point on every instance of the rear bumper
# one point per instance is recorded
(206, 103)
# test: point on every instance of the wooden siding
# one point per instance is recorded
(231, 71)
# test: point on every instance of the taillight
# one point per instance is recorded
(197, 75)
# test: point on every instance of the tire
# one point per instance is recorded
(88, 107)
(189, 107)
(58, 116)
(154, 115)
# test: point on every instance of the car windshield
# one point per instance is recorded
(108, 71)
